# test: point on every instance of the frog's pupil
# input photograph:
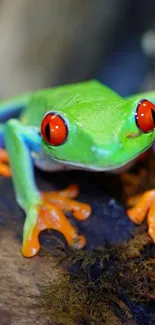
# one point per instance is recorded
(47, 131)
(153, 115)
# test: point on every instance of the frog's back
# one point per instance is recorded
(65, 98)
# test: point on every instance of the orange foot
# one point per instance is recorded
(51, 216)
(145, 205)
(4, 163)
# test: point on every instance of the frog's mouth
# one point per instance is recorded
(109, 168)
(78, 166)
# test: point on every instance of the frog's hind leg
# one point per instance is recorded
(144, 207)
(43, 210)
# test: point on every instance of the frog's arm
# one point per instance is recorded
(42, 210)
(19, 140)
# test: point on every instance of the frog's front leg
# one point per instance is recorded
(43, 210)
(143, 206)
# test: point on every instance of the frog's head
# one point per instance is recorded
(99, 136)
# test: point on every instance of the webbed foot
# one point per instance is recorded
(5, 170)
(144, 205)
(50, 215)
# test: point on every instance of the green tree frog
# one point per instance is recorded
(82, 126)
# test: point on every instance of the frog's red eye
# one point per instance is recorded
(145, 116)
(54, 129)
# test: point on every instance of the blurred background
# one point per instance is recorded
(51, 42)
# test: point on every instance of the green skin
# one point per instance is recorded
(102, 135)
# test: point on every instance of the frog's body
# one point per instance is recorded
(99, 132)
(86, 107)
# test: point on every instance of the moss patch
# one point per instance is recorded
(93, 291)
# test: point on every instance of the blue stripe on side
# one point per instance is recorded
(2, 145)
(10, 111)
(6, 112)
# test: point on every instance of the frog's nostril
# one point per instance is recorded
(100, 152)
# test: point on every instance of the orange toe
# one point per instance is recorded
(4, 155)
(79, 242)
(151, 222)
(4, 161)
(81, 211)
(138, 213)
(71, 192)
(5, 170)
(31, 246)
